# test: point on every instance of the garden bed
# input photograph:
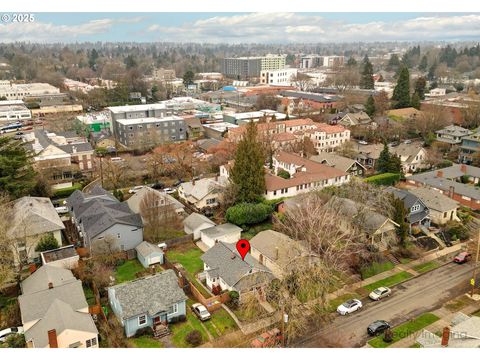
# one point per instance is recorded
(426, 243)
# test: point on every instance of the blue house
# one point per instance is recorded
(152, 301)
(149, 254)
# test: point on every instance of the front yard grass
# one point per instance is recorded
(407, 329)
(332, 306)
(376, 268)
(145, 342)
(459, 303)
(127, 271)
(427, 266)
(389, 281)
(182, 329)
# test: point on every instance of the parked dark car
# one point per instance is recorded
(461, 258)
(377, 327)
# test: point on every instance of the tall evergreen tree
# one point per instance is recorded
(419, 88)
(17, 177)
(415, 102)
(423, 63)
(351, 62)
(401, 93)
(370, 106)
(383, 162)
(248, 174)
(393, 63)
(399, 215)
(366, 81)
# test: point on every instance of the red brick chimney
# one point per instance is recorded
(440, 173)
(50, 285)
(52, 338)
(463, 168)
(445, 336)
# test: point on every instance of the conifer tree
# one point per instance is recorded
(248, 174)
(370, 106)
(366, 82)
(401, 93)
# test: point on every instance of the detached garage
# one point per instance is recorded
(149, 254)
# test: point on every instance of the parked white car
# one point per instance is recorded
(201, 311)
(61, 210)
(10, 331)
(135, 189)
(380, 293)
(349, 306)
(169, 190)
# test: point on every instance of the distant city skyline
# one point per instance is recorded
(234, 28)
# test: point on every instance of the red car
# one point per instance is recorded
(271, 338)
(461, 258)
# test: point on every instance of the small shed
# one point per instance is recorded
(149, 254)
(196, 222)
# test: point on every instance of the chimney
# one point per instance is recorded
(74, 149)
(445, 336)
(50, 285)
(463, 168)
(52, 338)
(440, 173)
(276, 253)
(233, 256)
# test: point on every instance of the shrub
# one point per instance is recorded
(16, 341)
(283, 174)
(234, 299)
(457, 230)
(145, 331)
(383, 179)
(194, 338)
(47, 242)
(248, 213)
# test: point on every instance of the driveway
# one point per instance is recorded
(409, 299)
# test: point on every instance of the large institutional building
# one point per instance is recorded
(245, 67)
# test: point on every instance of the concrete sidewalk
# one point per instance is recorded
(397, 269)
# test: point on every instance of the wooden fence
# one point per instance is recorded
(179, 240)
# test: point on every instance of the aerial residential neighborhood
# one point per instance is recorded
(167, 184)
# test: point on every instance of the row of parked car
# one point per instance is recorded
(378, 326)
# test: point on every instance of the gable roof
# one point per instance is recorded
(34, 306)
(367, 219)
(268, 242)
(409, 199)
(334, 160)
(194, 220)
(221, 230)
(151, 295)
(34, 216)
(224, 261)
(202, 187)
(135, 201)
(356, 118)
(59, 316)
(407, 150)
(40, 279)
(145, 249)
(434, 199)
(98, 211)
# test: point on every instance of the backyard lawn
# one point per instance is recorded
(376, 268)
(222, 322)
(182, 329)
(127, 271)
(427, 266)
(389, 281)
(145, 342)
(407, 329)
(189, 257)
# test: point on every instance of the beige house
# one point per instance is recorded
(32, 219)
(442, 208)
(276, 251)
(153, 197)
(54, 311)
(202, 193)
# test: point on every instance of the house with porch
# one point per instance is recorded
(417, 213)
(152, 301)
(350, 166)
(442, 208)
(452, 134)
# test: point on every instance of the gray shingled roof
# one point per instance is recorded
(34, 306)
(221, 230)
(151, 295)
(39, 280)
(194, 220)
(34, 216)
(100, 212)
(145, 249)
(434, 199)
(224, 261)
(334, 160)
(59, 316)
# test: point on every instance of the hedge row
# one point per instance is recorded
(66, 192)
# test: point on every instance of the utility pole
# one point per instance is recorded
(101, 170)
(474, 274)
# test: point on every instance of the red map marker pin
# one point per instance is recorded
(243, 247)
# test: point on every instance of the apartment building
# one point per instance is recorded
(327, 138)
(312, 61)
(146, 125)
(245, 67)
(281, 77)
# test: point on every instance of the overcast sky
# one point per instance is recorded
(244, 27)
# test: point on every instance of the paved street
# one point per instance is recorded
(408, 300)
